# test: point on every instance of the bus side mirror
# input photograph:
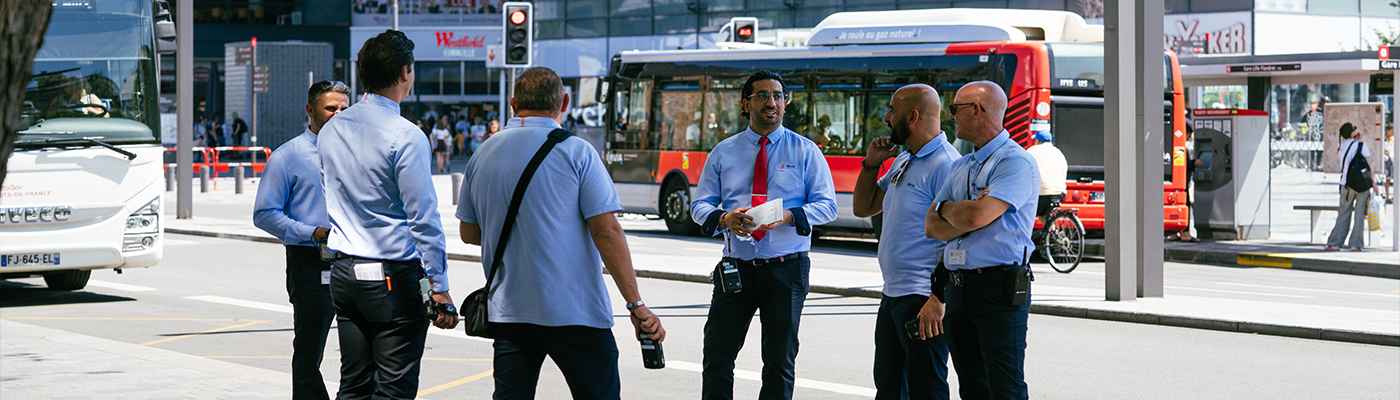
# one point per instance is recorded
(601, 95)
(164, 27)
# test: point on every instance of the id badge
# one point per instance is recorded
(425, 288)
(326, 277)
(957, 257)
(369, 272)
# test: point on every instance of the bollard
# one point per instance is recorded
(204, 179)
(238, 180)
(456, 186)
(170, 178)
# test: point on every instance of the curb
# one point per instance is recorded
(1336, 335)
(1271, 260)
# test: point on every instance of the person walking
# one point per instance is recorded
(240, 128)
(384, 222)
(764, 162)
(909, 364)
(1352, 210)
(442, 144)
(548, 298)
(291, 206)
(985, 213)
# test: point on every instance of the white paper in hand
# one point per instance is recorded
(767, 213)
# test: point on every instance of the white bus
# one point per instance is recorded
(84, 185)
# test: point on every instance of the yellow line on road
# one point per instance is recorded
(201, 333)
(427, 391)
(129, 319)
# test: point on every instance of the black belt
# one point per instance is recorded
(765, 261)
(980, 276)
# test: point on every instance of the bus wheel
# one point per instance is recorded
(67, 280)
(675, 208)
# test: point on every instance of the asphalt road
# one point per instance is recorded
(226, 299)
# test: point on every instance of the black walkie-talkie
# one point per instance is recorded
(652, 356)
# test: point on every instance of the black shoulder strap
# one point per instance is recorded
(556, 136)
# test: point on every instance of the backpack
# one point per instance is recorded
(1359, 172)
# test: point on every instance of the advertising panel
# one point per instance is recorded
(1223, 33)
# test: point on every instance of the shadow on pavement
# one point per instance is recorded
(16, 294)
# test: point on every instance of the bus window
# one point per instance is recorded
(873, 125)
(836, 113)
(722, 118)
(678, 120)
(798, 116)
(636, 122)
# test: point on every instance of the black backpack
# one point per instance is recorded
(1359, 171)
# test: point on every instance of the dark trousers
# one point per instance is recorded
(586, 356)
(907, 368)
(987, 337)
(381, 330)
(778, 292)
(312, 311)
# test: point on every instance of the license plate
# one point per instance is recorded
(28, 260)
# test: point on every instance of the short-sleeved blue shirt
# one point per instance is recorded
(552, 274)
(1013, 177)
(907, 256)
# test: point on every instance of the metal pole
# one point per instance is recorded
(501, 111)
(395, 6)
(204, 179)
(353, 80)
(184, 107)
(1120, 157)
(238, 180)
(1149, 248)
(170, 178)
(1394, 171)
(456, 186)
(254, 73)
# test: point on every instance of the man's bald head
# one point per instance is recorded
(982, 123)
(920, 97)
(914, 115)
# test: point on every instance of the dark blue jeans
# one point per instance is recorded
(312, 312)
(777, 291)
(987, 337)
(907, 368)
(586, 356)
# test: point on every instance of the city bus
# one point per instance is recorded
(83, 189)
(667, 109)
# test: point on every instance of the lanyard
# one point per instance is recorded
(972, 184)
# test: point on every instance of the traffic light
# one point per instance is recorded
(744, 29)
(519, 33)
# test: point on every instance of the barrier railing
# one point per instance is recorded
(210, 158)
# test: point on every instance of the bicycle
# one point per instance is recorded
(1060, 241)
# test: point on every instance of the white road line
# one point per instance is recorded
(799, 382)
(1387, 295)
(243, 303)
(1239, 292)
(120, 286)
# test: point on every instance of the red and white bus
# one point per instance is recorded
(667, 109)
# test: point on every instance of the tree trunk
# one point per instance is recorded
(21, 34)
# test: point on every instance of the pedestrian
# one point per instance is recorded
(384, 222)
(765, 162)
(1389, 163)
(548, 298)
(291, 206)
(1191, 163)
(478, 134)
(239, 129)
(491, 129)
(1353, 201)
(909, 364)
(986, 212)
(442, 144)
(460, 132)
(1054, 169)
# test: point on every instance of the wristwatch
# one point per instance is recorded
(938, 209)
(638, 303)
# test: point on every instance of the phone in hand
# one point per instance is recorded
(912, 328)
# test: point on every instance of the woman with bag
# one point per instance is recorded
(442, 141)
(1355, 192)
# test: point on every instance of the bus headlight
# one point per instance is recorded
(145, 220)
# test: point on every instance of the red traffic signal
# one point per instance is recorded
(518, 38)
(517, 17)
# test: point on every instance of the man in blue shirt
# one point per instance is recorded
(985, 212)
(548, 297)
(291, 207)
(909, 364)
(763, 163)
(384, 220)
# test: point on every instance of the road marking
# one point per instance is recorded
(1239, 292)
(1387, 295)
(430, 390)
(130, 319)
(1276, 260)
(243, 303)
(120, 286)
(337, 358)
(201, 333)
(457, 333)
(799, 382)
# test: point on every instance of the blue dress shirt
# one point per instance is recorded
(290, 202)
(907, 256)
(797, 173)
(1013, 177)
(379, 188)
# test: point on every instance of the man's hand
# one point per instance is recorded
(931, 318)
(643, 321)
(881, 149)
(738, 222)
(983, 194)
(444, 320)
(787, 219)
(321, 234)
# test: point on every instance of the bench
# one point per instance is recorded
(1316, 213)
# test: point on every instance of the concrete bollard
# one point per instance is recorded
(204, 179)
(238, 180)
(170, 178)
(456, 186)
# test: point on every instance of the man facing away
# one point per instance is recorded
(291, 206)
(1351, 214)
(985, 212)
(1053, 172)
(765, 162)
(548, 297)
(909, 364)
(384, 220)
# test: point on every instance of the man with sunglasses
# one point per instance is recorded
(763, 163)
(985, 212)
(291, 206)
(909, 363)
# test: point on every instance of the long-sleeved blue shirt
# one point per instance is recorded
(379, 188)
(797, 173)
(290, 202)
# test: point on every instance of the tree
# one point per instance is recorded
(21, 34)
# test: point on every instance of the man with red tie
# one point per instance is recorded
(765, 267)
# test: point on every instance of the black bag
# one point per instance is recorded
(473, 309)
(1359, 171)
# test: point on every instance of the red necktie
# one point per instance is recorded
(760, 179)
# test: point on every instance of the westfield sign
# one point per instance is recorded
(446, 39)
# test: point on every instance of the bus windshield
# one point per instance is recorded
(1076, 66)
(94, 77)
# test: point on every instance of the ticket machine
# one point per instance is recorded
(1232, 181)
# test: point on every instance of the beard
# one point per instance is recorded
(900, 133)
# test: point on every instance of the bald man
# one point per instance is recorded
(909, 363)
(986, 212)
